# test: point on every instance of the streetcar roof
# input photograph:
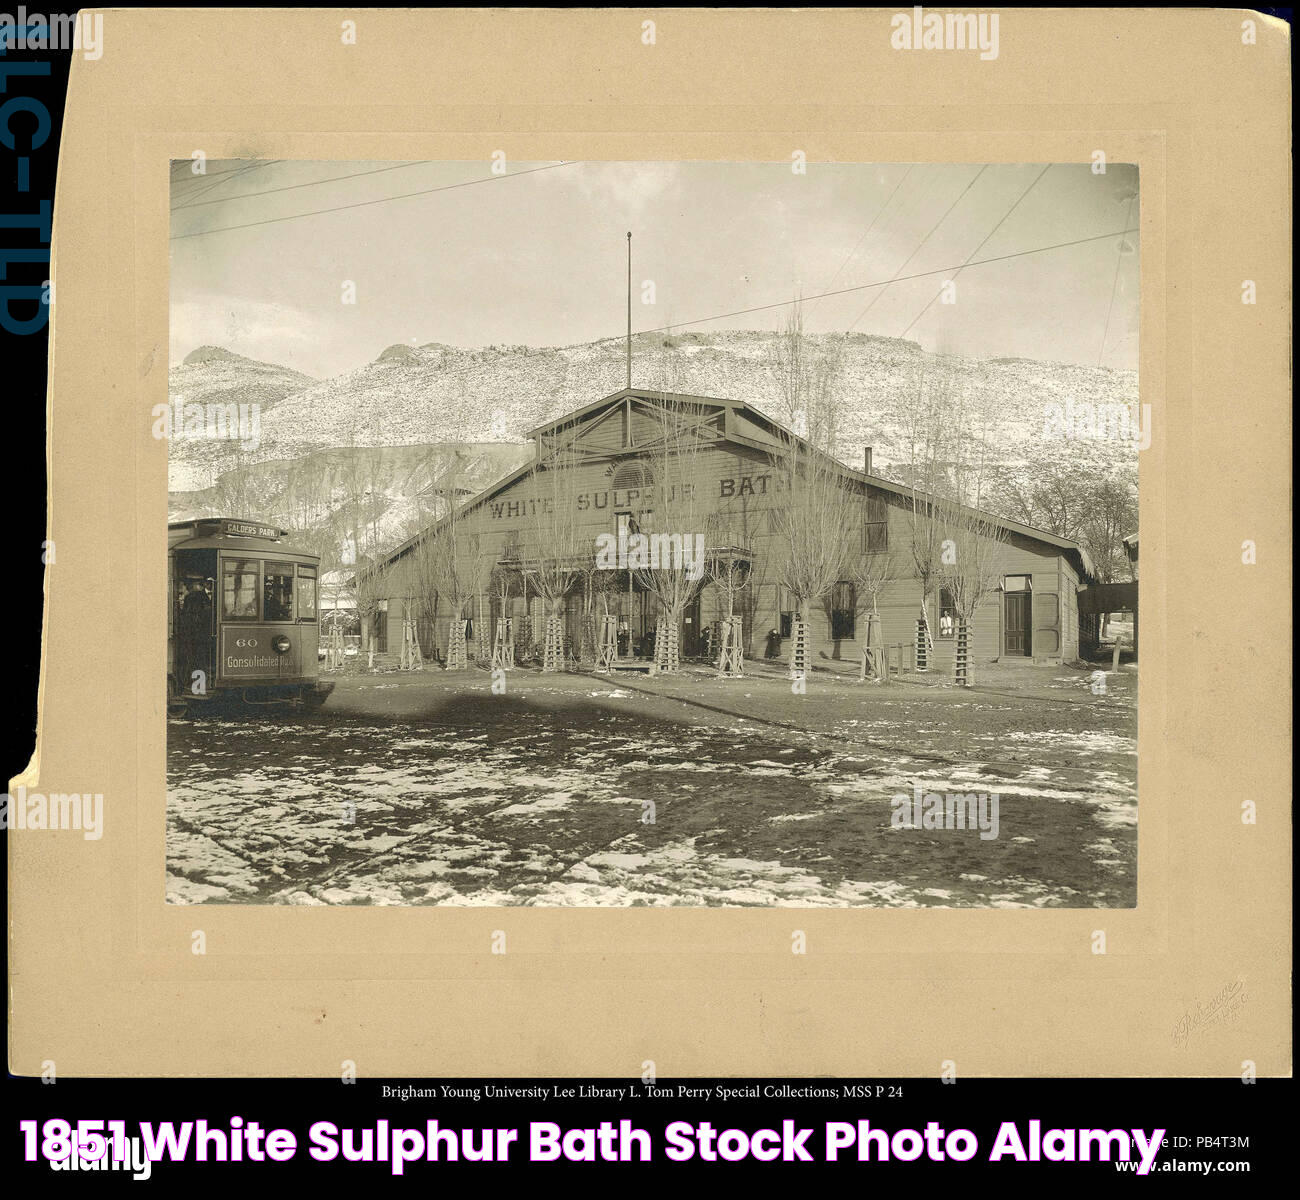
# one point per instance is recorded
(232, 533)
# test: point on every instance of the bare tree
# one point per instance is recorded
(234, 493)
(815, 514)
(728, 567)
(972, 563)
(675, 513)
(356, 493)
(926, 424)
(304, 508)
(599, 590)
(1056, 495)
(503, 585)
(554, 548)
(872, 573)
(452, 569)
(1112, 515)
(365, 586)
(972, 553)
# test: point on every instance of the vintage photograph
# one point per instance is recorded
(653, 533)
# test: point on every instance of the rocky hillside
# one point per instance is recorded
(340, 498)
(213, 374)
(413, 399)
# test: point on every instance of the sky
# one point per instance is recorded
(537, 256)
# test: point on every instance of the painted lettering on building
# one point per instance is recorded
(627, 499)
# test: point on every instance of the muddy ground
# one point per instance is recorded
(428, 788)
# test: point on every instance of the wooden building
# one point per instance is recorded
(610, 447)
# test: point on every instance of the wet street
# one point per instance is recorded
(579, 790)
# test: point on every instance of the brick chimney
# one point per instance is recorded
(866, 458)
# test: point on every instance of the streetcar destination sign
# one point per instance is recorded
(249, 529)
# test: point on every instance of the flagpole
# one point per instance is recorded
(629, 310)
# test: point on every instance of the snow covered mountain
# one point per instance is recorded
(420, 401)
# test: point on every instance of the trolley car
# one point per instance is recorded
(243, 617)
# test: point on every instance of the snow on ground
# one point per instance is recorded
(619, 804)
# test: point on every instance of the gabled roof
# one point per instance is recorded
(682, 398)
(1080, 556)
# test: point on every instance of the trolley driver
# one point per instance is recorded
(195, 630)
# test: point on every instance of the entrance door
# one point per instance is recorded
(692, 635)
(193, 613)
(1019, 637)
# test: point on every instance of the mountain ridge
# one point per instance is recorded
(438, 397)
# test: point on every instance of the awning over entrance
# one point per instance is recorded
(1108, 598)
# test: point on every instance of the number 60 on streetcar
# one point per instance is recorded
(243, 616)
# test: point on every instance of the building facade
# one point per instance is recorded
(611, 450)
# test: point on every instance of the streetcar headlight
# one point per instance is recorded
(280, 644)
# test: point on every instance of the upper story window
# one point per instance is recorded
(875, 529)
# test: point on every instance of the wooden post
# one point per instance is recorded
(503, 646)
(410, 658)
(456, 644)
(607, 648)
(334, 656)
(800, 648)
(553, 653)
(666, 657)
(873, 658)
(961, 663)
(538, 621)
(481, 625)
(923, 644)
(731, 658)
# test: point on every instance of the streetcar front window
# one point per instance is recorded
(277, 592)
(306, 593)
(239, 589)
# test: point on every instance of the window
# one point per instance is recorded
(1017, 583)
(947, 614)
(631, 474)
(875, 529)
(277, 592)
(239, 589)
(306, 593)
(844, 605)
